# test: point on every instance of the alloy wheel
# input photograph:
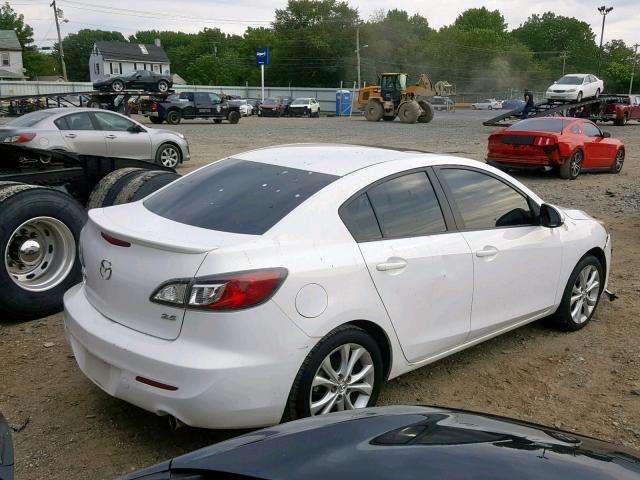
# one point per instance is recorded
(117, 86)
(169, 156)
(344, 380)
(576, 164)
(619, 160)
(40, 254)
(584, 294)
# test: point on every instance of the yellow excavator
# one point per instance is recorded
(394, 98)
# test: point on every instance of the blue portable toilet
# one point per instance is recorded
(343, 103)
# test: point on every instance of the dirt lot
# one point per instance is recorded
(584, 381)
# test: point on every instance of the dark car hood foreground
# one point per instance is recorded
(404, 443)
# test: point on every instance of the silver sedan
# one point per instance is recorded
(88, 131)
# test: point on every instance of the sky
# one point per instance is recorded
(233, 16)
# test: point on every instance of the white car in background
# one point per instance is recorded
(487, 104)
(292, 281)
(305, 107)
(575, 87)
(246, 109)
(89, 131)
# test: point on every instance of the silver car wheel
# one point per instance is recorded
(169, 157)
(163, 86)
(344, 380)
(584, 294)
(40, 254)
(117, 86)
(576, 163)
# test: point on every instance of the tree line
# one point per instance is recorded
(313, 44)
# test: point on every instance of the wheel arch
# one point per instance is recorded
(599, 254)
(381, 339)
(173, 144)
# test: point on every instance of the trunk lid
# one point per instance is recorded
(121, 279)
(523, 144)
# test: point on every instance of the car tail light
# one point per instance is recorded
(494, 140)
(544, 141)
(233, 291)
(22, 138)
(154, 106)
(115, 241)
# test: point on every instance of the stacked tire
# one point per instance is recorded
(39, 231)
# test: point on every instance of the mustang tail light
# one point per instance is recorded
(22, 138)
(544, 141)
(494, 140)
(232, 291)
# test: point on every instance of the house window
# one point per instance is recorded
(115, 68)
(5, 60)
(156, 68)
(96, 68)
(135, 66)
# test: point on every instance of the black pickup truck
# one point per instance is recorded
(189, 105)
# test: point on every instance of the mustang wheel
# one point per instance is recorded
(117, 86)
(571, 167)
(342, 372)
(581, 295)
(619, 161)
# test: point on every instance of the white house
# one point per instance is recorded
(118, 58)
(11, 67)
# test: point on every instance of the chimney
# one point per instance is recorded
(157, 42)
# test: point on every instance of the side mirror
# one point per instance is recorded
(550, 217)
(135, 129)
(606, 135)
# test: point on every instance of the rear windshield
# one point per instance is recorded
(30, 119)
(551, 125)
(237, 196)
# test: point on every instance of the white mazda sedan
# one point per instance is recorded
(292, 281)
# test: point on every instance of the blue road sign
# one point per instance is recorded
(262, 56)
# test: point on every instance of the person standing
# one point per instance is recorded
(528, 105)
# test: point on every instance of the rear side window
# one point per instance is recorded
(75, 121)
(486, 202)
(359, 218)
(237, 196)
(407, 206)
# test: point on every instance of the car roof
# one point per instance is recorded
(338, 159)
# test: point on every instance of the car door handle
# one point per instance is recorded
(71, 135)
(395, 265)
(487, 251)
(112, 136)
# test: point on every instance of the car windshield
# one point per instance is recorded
(570, 80)
(551, 125)
(437, 100)
(237, 196)
(30, 119)
(271, 101)
(300, 101)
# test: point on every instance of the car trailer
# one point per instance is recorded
(592, 109)
(43, 196)
(114, 101)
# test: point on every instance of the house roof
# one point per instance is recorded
(9, 40)
(9, 74)
(132, 51)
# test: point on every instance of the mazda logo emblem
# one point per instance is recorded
(105, 269)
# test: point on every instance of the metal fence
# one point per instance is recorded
(325, 96)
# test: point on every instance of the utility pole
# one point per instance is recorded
(58, 14)
(635, 62)
(358, 47)
(604, 11)
(564, 56)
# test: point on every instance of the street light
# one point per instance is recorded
(357, 50)
(604, 11)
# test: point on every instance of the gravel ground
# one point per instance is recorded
(587, 381)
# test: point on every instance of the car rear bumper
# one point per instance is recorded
(528, 162)
(217, 386)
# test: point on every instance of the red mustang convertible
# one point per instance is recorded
(569, 144)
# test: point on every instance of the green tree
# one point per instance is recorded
(617, 64)
(481, 19)
(39, 64)
(77, 49)
(11, 20)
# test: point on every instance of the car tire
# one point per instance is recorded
(303, 391)
(163, 86)
(93, 104)
(597, 94)
(579, 97)
(142, 184)
(233, 117)
(489, 107)
(174, 117)
(373, 111)
(409, 112)
(33, 287)
(117, 86)
(571, 167)
(168, 155)
(573, 314)
(156, 120)
(618, 162)
(107, 189)
(473, 107)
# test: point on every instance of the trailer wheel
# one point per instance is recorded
(409, 112)
(427, 111)
(104, 194)
(39, 228)
(142, 184)
(174, 117)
